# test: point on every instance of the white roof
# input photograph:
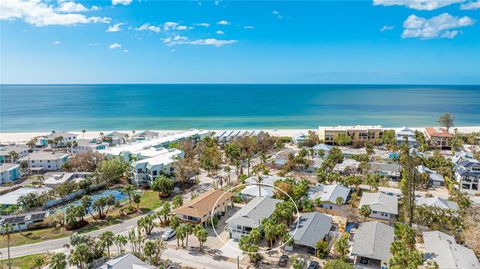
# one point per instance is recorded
(380, 202)
(164, 158)
(150, 152)
(252, 189)
(8, 166)
(357, 127)
(438, 202)
(11, 198)
(329, 193)
(137, 146)
(44, 155)
(58, 179)
(348, 163)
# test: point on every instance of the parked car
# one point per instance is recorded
(282, 262)
(168, 234)
(313, 265)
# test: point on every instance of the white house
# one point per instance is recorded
(144, 171)
(329, 194)
(45, 160)
(6, 150)
(252, 189)
(409, 135)
(9, 172)
(84, 145)
(467, 174)
(436, 202)
(250, 216)
(382, 206)
(348, 166)
(66, 137)
(321, 150)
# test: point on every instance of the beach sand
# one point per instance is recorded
(11, 138)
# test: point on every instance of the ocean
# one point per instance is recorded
(232, 106)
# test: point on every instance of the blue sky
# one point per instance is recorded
(132, 41)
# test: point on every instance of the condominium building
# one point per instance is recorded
(358, 134)
(44, 160)
(7, 152)
(156, 162)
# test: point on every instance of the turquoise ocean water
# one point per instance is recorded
(147, 106)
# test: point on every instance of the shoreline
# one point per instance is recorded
(24, 137)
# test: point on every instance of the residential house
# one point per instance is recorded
(359, 134)
(23, 221)
(226, 136)
(382, 206)
(349, 152)
(65, 138)
(309, 229)
(300, 139)
(250, 216)
(45, 160)
(11, 198)
(126, 261)
(437, 202)
(328, 195)
(199, 210)
(438, 137)
(9, 172)
(144, 171)
(282, 157)
(434, 179)
(252, 189)
(407, 134)
(444, 250)
(146, 135)
(321, 150)
(371, 244)
(41, 142)
(348, 167)
(467, 174)
(116, 138)
(90, 145)
(5, 152)
(387, 170)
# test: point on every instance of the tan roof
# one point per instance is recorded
(437, 132)
(204, 203)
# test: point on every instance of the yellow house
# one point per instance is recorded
(359, 133)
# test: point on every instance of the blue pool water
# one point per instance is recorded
(213, 106)
(119, 196)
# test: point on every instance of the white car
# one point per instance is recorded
(168, 234)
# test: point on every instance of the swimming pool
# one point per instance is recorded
(117, 194)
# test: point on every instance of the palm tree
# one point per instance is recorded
(120, 242)
(107, 239)
(83, 133)
(38, 262)
(201, 234)
(13, 156)
(59, 261)
(7, 230)
(129, 190)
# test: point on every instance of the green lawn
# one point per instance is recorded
(148, 202)
(25, 262)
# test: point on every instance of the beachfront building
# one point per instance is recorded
(250, 216)
(252, 189)
(387, 170)
(199, 210)
(7, 152)
(310, 228)
(9, 172)
(434, 179)
(371, 244)
(146, 135)
(436, 201)
(116, 138)
(382, 206)
(90, 145)
(359, 134)
(144, 171)
(438, 137)
(41, 142)
(467, 174)
(45, 160)
(63, 138)
(407, 134)
(446, 253)
(329, 195)
(230, 135)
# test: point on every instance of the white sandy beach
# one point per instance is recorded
(23, 137)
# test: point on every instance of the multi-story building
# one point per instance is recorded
(145, 170)
(467, 174)
(45, 160)
(66, 137)
(6, 153)
(407, 134)
(358, 134)
(9, 172)
(84, 145)
(438, 137)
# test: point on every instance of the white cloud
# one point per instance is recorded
(204, 24)
(248, 27)
(183, 40)
(219, 32)
(471, 5)
(56, 42)
(114, 46)
(223, 22)
(277, 14)
(71, 7)
(182, 27)
(417, 4)
(125, 51)
(169, 25)
(441, 26)
(148, 27)
(41, 14)
(121, 2)
(386, 28)
(114, 28)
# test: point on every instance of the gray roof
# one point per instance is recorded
(443, 249)
(380, 202)
(251, 214)
(385, 167)
(62, 134)
(7, 166)
(127, 261)
(438, 202)
(44, 155)
(312, 227)
(373, 240)
(329, 193)
(323, 147)
(7, 149)
(22, 218)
